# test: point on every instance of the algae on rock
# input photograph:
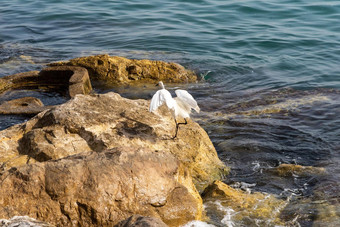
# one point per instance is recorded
(243, 207)
(121, 70)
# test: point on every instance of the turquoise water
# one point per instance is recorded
(248, 44)
(272, 95)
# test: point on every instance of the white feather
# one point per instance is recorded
(179, 106)
(186, 98)
(159, 98)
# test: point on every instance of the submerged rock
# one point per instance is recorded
(316, 213)
(122, 70)
(97, 159)
(26, 105)
(284, 170)
(141, 221)
(237, 206)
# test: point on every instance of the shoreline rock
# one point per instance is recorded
(120, 70)
(285, 170)
(243, 208)
(60, 164)
(100, 189)
(71, 78)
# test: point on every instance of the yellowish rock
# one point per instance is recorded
(244, 207)
(120, 70)
(64, 140)
(290, 169)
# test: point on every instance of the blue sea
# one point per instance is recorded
(272, 95)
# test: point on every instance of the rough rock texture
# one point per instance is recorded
(99, 189)
(264, 208)
(146, 172)
(284, 170)
(316, 213)
(26, 105)
(122, 70)
(17, 80)
(71, 78)
(97, 122)
(141, 221)
(76, 78)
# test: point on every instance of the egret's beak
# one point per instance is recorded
(157, 85)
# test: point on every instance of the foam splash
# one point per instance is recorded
(197, 224)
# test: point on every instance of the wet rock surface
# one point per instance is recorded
(75, 80)
(26, 105)
(237, 207)
(98, 158)
(23, 221)
(141, 221)
(285, 170)
(121, 70)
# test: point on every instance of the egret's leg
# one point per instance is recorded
(177, 126)
(176, 129)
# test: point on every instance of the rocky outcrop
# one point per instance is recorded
(75, 80)
(241, 208)
(17, 80)
(97, 159)
(121, 70)
(99, 189)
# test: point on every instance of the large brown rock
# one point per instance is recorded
(97, 159)
(99, 189)
(122, 70)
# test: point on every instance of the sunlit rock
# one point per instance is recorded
(284, 170)
(26, 105)
(121, 70)
(100, 158)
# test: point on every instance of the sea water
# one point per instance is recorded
(272, 95)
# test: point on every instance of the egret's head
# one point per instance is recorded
(160, 83)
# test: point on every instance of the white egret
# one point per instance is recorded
(179, 106)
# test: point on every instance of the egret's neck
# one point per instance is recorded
(161, 84)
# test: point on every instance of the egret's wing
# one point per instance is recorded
(186, 98)
(160, 97)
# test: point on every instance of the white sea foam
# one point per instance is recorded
(198, 224)
(229, 213)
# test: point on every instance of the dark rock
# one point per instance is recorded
(141, 221)
(73, 79)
